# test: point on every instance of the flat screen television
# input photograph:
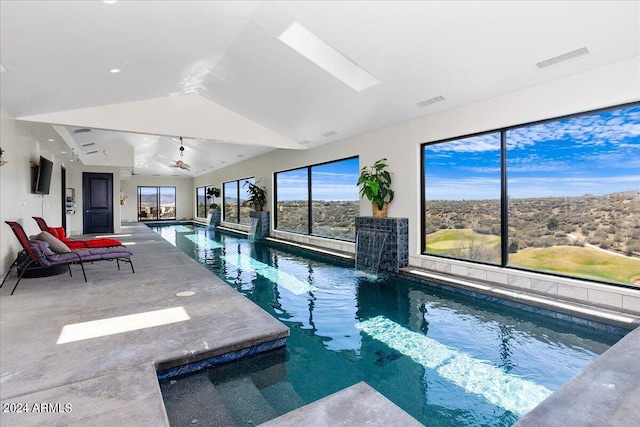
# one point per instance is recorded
(43, 178)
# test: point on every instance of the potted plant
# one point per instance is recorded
(375, 182)
(213, 192)
(257, 195)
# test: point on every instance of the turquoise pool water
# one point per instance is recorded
(445, 358)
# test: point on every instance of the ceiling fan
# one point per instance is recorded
(179, 163)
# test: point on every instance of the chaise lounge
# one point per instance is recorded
(38, 252)
(60, 234)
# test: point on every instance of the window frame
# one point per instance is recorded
(237, 198)
(504, 203)
(204, 189)
(309, 168)
(158, 193)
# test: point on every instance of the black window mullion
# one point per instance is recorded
(423, 195)
(275, 201)
(238, 202)
(309, 202)
(504, 202)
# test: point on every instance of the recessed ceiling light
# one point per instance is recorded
(320, 53)
(109, 1)
(114, 70)
(50, 139)
(63, 152)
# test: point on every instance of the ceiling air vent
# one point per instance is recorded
(83, 130)
(92, 152)
(431, 101)
(88, 144)
(564, 57)
(305, 142)
(330, 133)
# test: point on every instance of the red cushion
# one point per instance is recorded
(92, 243)
(59, 233)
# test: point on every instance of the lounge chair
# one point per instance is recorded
(73, 244)
(38, 252)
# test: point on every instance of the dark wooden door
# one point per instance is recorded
(97, 202)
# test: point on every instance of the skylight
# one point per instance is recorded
(317, 51)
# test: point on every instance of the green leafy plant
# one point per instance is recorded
(375, 183)
(213, 192)
(257, 195)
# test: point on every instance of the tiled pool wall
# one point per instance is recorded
(263, 223)
(610, 329)
(563, 288)
(219, 359)
(395, 253)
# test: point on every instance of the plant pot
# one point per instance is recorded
(379, 213)
(258, 208)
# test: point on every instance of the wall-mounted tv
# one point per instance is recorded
(43, 177)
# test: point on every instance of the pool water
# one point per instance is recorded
(445, 358)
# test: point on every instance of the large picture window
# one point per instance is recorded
(156, 203)
(235, 195)
(201, 202)
(320, 200)
(462, 198)
(564, 196)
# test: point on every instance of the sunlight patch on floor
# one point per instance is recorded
(117, 325)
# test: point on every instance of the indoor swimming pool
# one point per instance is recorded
(446, 358)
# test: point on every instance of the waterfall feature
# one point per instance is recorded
(369, 245)
(253, 229)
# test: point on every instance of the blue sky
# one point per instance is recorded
(593, 154)
(331, 181)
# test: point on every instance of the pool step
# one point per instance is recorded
(282, 397)
(244, 402)
(195, 398)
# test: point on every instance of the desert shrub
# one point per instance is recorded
(552, 223)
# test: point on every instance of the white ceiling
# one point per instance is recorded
(216, 73)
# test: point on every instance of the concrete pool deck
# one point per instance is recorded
(111, 380)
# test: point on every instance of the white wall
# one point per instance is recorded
(17, 203)
(602, 87)
(185, 195)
